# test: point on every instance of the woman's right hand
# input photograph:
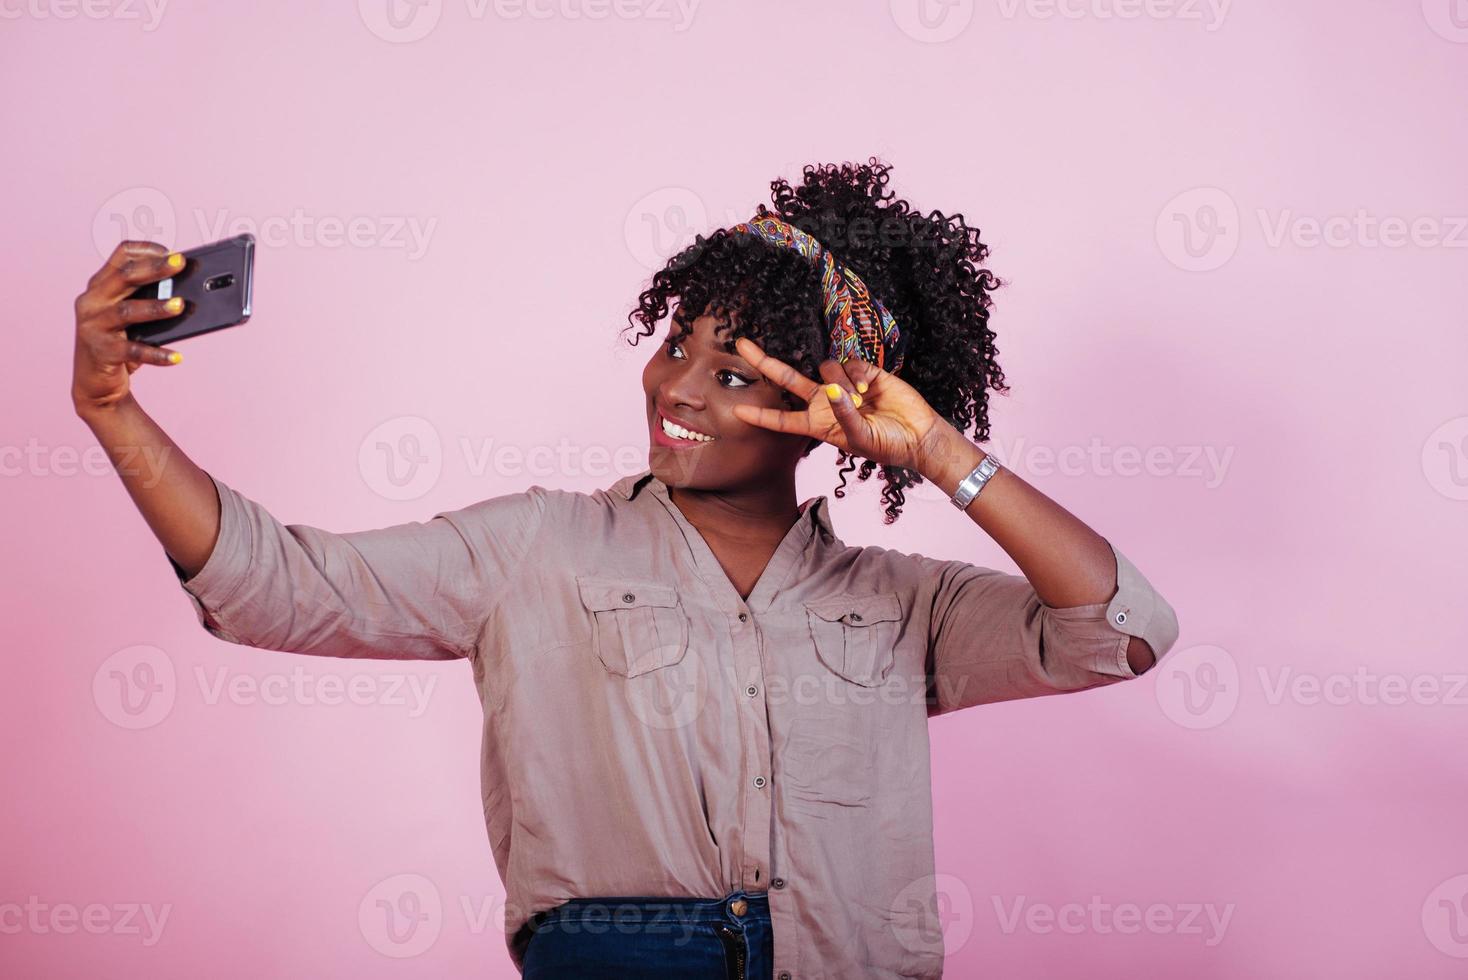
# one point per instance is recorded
(105, 358)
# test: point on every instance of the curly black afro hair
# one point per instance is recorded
(926, 269)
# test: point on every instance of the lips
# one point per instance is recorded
(663, 437)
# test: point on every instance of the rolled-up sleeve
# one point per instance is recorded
(991, 638)
(420, 590)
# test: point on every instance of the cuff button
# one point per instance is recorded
(1121, 617)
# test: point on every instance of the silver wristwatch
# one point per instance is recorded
(970, 486)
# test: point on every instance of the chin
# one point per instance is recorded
(673, 467)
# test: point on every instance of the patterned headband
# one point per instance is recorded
(859, 324)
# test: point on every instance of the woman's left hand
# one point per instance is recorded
(888, 423)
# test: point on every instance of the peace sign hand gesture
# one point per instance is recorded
(862, 410)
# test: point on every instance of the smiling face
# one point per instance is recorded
(694, 382)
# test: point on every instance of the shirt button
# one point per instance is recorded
(1121, 617)
(751, 690)
(744, 617)
(739, 906)
(759, 782)
(777, 883)
(628, 597)
(856, 617)
(784, 975)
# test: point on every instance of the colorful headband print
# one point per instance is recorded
(859, 324)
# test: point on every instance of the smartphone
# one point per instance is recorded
(216, 284)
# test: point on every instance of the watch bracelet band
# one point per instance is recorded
(969, 486)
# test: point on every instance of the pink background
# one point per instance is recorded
(1129, 172)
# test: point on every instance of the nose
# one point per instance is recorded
(682, 387)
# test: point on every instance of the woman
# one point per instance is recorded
(705, 746)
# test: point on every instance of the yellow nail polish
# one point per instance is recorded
(856, 400)
(861, 386)
(176, 260)
(174, 357)
(174, 305)
(833, 391)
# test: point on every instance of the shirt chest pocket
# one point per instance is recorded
(637, 626)
(855, 634)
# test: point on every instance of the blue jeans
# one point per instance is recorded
(666, 938)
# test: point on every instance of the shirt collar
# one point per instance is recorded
(817, 508)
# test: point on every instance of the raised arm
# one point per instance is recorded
(176, 497)
(992, 638)
(1065, 562)
(1079, 616)
(415, 590)
(420, 590)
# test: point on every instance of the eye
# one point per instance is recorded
(743, 382)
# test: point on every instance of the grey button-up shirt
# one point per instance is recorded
(649, 732)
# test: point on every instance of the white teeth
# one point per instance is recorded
(678, 432)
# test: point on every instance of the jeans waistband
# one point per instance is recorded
(631, 910)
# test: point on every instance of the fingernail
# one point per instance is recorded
(861, 386)
(856, 400)
(174, 357)
(833, 391)
(176, 260)
(174, 305)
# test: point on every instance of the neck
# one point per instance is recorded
(761, 513)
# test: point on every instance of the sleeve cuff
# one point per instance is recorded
(226, 567)
(1138, 610)
(1135, 609)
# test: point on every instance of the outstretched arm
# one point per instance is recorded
(415, 590)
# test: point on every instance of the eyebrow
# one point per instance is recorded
(726, 347)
